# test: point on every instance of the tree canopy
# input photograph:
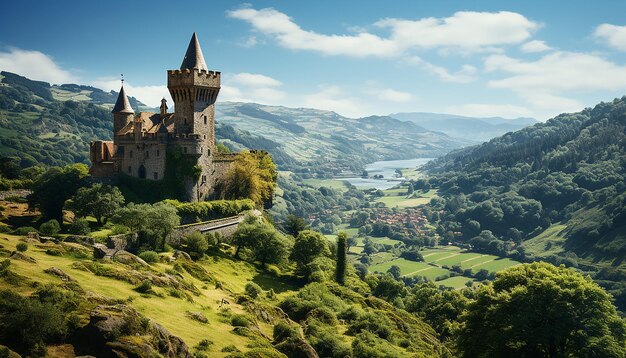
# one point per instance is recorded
(99, 201)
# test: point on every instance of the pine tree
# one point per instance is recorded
(340, 273)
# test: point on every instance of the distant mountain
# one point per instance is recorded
(311, 139)
(52, 125)
(469, 128)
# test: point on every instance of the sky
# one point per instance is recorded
(355, 57)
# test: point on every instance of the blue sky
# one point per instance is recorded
(478, 58)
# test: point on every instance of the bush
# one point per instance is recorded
(145, 287)
(23, 231)
(283, 331)
(51, 227)
(204, 345)
(21, 246)
(79, 226)
(149, 256)
(253, 290)
(195, 244)
(239, 320)
(324, 315)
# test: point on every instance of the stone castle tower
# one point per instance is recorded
(142, 141)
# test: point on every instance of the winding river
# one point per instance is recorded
(386, 168)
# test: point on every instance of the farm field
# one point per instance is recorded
(455, 282)
(329, 183)
(411, 268)
(392, 199)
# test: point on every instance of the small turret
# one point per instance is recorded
(163, 107)
(122, 111)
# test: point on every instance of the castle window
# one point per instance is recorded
(130, 169)
(185, 120)
(157, 153)
(185, 150)
(205, 136)
(156, 176)
(131, 153)
(204, 119)
(147, 154)
(204, 178)
(208, 151)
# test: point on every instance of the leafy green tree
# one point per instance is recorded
(410, 189)
(55, 186)
(394, 271)
(308, 246)
(265, 243)
(294, 224)
(80, 226)
(99, 201)
(154, 223)
(539, 310)
(253, 176)
(195, 244)
(342, 251)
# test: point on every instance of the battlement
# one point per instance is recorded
(200, 78)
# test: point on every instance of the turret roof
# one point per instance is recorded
(122, 105)
(194, 60)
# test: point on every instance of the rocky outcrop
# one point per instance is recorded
(127, 258)
(55, 271)
(20, 256)
(116, 331)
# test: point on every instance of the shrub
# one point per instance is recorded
(79, 226)
(230, 348)
(324, 315)
(204, 345)
(253, 290)
(283, 331)
(51, 227)
(23, 231)
(145, 287)
(21, 246)
(149, 256)
(195, 244)
(119, 229)
(239, 320)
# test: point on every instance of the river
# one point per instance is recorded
(386, 168)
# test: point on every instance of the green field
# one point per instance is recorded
(410, 268)
(455, 282)
(549, 242)
(452, 256)
(329, 183)
(392, 199)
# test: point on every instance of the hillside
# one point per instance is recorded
(554, 191)
(53, 125)
(470, 128)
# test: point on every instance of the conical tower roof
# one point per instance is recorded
(194, 60)
(122, 105)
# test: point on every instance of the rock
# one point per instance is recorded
(127, 258)
(100, 251)
(20, 256)
(117, 242)
(33, 235)
(197, 316)
(121, 331)
(179, 253)
(55, 271)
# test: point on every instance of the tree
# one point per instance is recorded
(195, 244)
(252, 176)
(50, 227)
(539, 310)
(266, 244)
(342, 251)
(394, 271)
(99, 201)
(410, 189)
(154, 223)
(54, 187)
(309, 245)
(294, 224)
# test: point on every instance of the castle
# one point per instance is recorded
(141, 142)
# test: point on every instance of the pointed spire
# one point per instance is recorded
(193, 58)
(122, 105)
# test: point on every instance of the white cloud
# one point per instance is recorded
(535, 46)
(613, 35)
(34, 65)
(333, 98)
(149, 95)
(489, 110)
(558, 71)
(465, 30)
(255, 80)
(392, 95)
(465, 75)
(252, 87)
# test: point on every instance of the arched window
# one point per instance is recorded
(142, 172)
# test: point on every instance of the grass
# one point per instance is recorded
(392, 199)
(411, 268)
(548, 242)
(329, 183)
(167, 311)
(456, 282)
